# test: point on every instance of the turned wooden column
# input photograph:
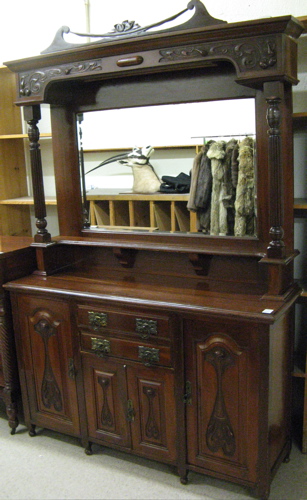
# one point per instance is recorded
(32, 115)
(276, 248)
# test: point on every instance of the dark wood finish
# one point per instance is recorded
(32, 115)
(227, 368)
(51, 393)
(230, 349)
(90, 73)
(16, 259)
(176, 347)
(67, 174)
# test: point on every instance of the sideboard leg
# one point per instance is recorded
(184, 477)
(88, 449)
(12, 412)
(32, 431)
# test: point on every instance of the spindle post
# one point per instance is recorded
(32, 115)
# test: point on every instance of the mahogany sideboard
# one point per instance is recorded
(176, 346)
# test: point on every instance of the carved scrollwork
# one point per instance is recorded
(50, 392)
(183, 53)
(200, 18)
(247, 55)
(125, 26)
(106, 415)
(34, 83)
(151, 428)
(219, 432)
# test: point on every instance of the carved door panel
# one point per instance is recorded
(153, 418)
(222, 408)
(106, 400)
(45, 339)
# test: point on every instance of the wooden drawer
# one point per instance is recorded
(127, 349)
(143, 326)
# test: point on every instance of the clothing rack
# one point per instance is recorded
(221, 136)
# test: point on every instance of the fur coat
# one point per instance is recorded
(245, 195)
(218, 220)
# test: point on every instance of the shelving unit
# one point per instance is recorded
(14, 220)
(152, 212)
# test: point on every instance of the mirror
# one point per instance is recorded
(177, 167)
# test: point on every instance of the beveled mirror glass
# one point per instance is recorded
(174, 168)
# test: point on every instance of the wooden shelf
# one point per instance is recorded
(114, 194)
(300, 115)
(27, 200)
(300, 207)
(152, 212)
(300, 203)
(14, 220)
(22, 136)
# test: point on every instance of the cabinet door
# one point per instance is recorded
(153, 423)
(106, 400)
(223, 404)
(46, 356)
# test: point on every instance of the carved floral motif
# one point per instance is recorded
(125, 26)
(51, 395)
(219, 432)
(106, 415)
(246, 55)
(151, 428)
(33, 83)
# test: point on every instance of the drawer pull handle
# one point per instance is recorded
(130, 61)
(149, 355)
(101, 347)
(97, 320)
(146, 327)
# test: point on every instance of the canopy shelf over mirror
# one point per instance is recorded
(202, 59)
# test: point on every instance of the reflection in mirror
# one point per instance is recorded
(178, 167)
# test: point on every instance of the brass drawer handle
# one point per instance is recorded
(149, 355)
(97, 320)
(101, 347)
(146, 327)
(129, 61)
